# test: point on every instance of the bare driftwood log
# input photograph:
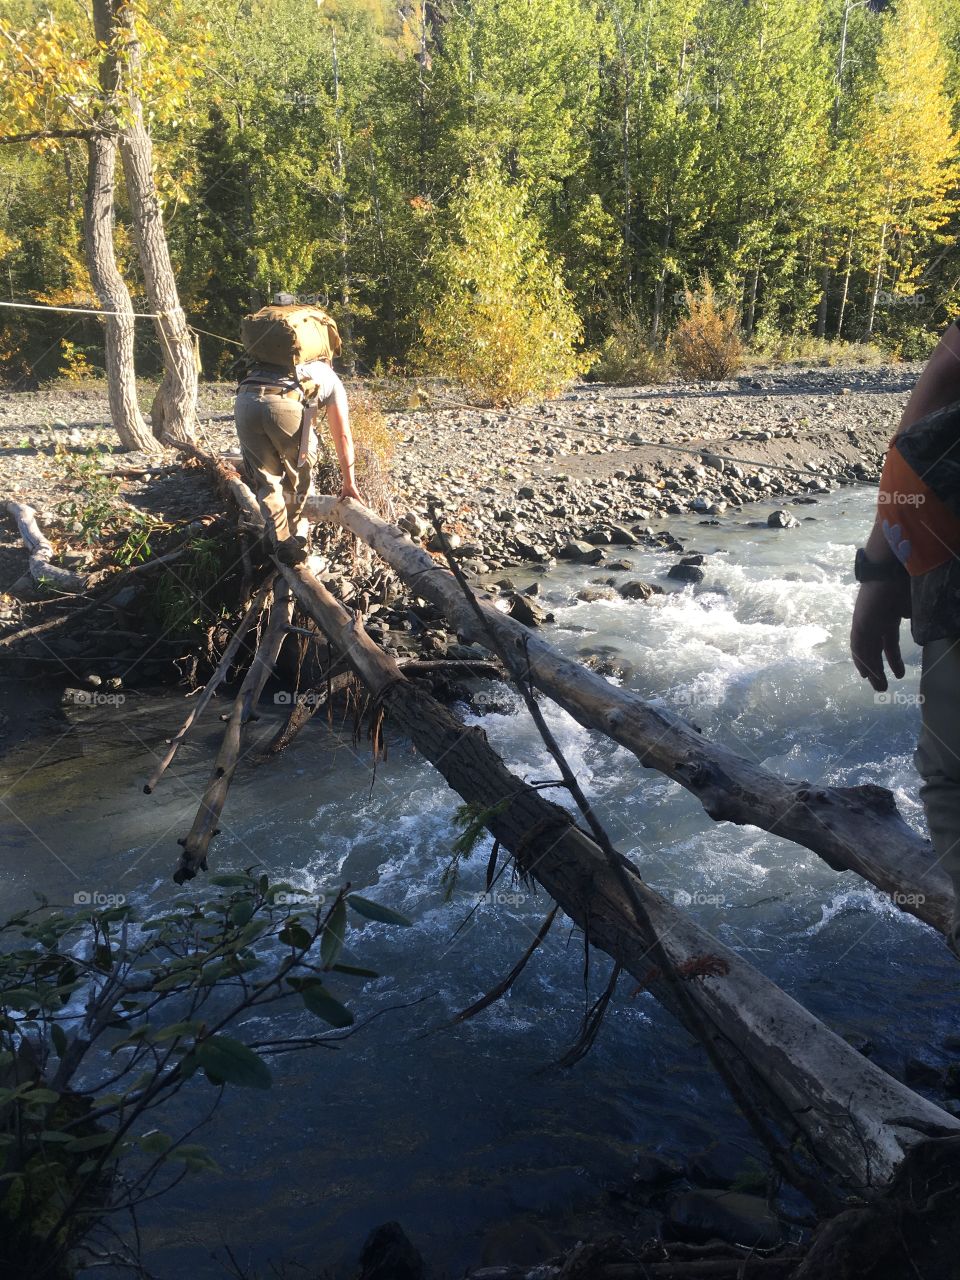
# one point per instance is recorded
(223, 666)
(42, 568)
(205, 825)
(856, 1119)
(852, 828)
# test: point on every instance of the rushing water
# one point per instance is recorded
(471, 1132)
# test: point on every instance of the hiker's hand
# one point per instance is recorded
(349, 490)
(875, 633)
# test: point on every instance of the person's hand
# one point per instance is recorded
(875, 632)
(349, 490)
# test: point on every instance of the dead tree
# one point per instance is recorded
(852, 828)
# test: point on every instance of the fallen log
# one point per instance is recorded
(41, 553)
(852, 828)
(205, 825)
(856, 1119)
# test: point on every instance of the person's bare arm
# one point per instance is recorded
(338, 420)
(880, 606)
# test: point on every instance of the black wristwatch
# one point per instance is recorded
(865, 570)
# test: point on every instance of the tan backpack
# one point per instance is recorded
(288, 335)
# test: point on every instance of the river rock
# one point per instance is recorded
(636, 589)
(524, 609)
(782, 520)
(685, 572)
(389, 1255)
(653, 1170)
(706, 1214)
(454, 541)
(574, 550)
(411, 523)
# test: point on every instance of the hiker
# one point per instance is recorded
(910, 568)
(289, 376)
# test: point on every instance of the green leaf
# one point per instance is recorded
(230, 881)
(59, 1038)
(376, 911)
(91, 1143)
(233, 1062)
(175, 1029)
(241, 912)
(319, 1001)
(154, 1143)
(295, 935)
(331, 944)
(41, 1095)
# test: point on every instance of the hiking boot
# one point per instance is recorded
(292, 551)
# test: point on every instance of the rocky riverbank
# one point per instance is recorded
(585, 478)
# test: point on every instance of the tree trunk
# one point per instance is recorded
(113, 295)
(856, 1119)
(344, 319)
(847, 270)
(852, 828)
(875, 285)
(822, 306)
(174, 410)
(752, 299)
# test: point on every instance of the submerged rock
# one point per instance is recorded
(636, 589)
(389, 1255)
(685, 572)
(782, 520)
(704, 1214)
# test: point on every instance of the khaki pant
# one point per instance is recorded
(268, 427)
(938, 753)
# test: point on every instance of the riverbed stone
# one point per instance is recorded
(685, 572)
(707, 1213)
(637, 589)
(388, 1254)
(782, 520)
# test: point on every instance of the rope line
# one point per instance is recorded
(84, 311)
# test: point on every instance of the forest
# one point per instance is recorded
(598, 157)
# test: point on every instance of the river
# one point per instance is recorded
(470, 1137)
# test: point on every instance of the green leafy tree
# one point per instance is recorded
(504, 323)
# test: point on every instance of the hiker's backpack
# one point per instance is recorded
(288, 335)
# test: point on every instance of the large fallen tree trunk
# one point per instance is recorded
(856, 1119)
(852, 828)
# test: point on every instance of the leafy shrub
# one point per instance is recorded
(626, 357)
(504, 325)
(104, 1018)
(706, 344)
